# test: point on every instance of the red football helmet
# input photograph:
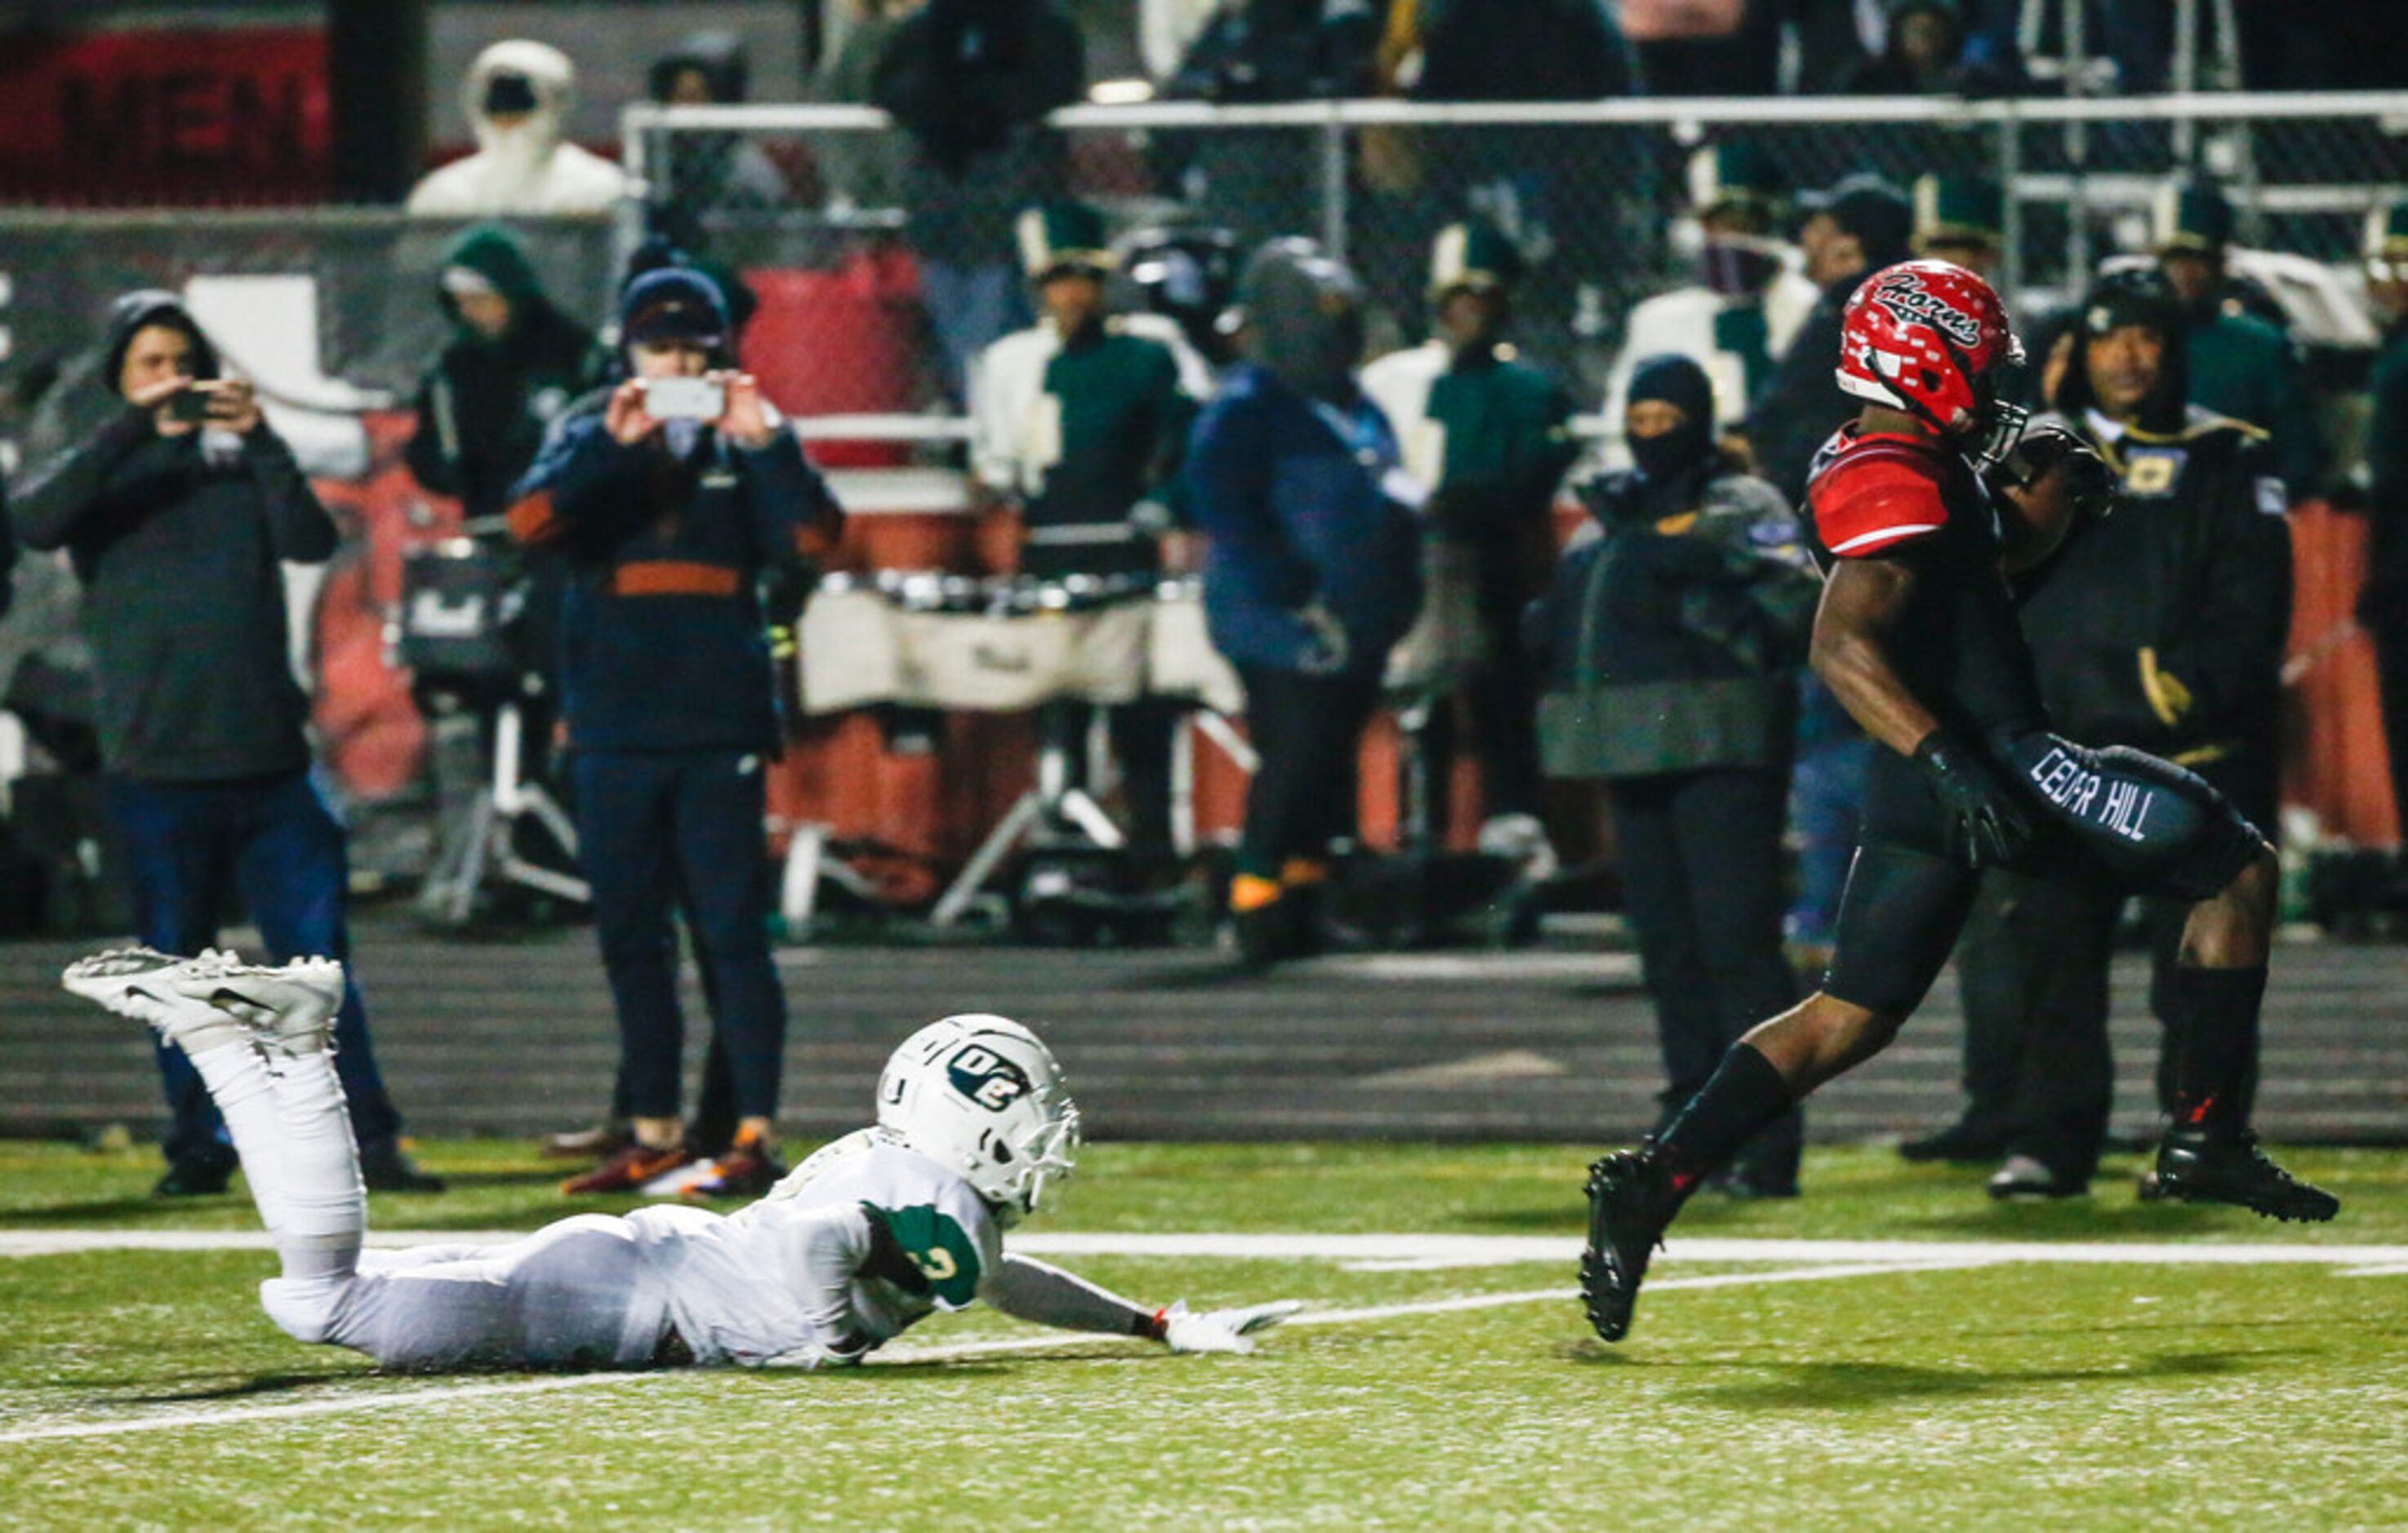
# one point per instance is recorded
(1932, 338)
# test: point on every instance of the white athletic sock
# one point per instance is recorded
(239, 1084)
(325, 1204)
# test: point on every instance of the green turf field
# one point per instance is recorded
(1443, 1377)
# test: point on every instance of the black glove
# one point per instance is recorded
(1986, 825)
(2091, 484)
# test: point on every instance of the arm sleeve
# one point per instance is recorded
(1229, 486)
(1044, 1295)
(434, 446)
(61, 496)
(298, 528)
(583, 479)
(2229, 652)
(1173, 411)
(796, 515)
(995, 446)
(2299, 443)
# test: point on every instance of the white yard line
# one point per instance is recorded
(905, 1354)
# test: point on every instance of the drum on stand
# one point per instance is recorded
(1180, 663)
(459, 602)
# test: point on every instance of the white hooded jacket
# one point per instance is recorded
(525, 169)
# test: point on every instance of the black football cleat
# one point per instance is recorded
(2196, 1166)
(1630, 1201)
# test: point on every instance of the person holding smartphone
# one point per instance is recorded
(672, 499)
(177, 509)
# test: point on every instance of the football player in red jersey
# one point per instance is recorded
(1919, 508)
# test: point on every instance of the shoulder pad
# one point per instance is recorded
(1875, 499)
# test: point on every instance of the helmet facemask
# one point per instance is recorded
(2000, 416)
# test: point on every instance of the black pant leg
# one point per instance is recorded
(1730, 823)
(1504, 700)
(1656, 899)
(1305, 730)
(1144, 737)
(2059, 943)
(2391, 671)
(1993, 983)
(721, 855)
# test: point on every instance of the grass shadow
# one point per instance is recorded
(1854, 1385)
(2077, 1219)
(264, 1384)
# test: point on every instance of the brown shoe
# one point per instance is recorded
(749, 1168)
(630, 1169)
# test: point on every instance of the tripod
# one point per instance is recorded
(481, 844)
(1056, 803)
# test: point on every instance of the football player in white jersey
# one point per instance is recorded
(870, 1235)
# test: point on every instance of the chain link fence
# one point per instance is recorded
(851, 239)
(1593, 194)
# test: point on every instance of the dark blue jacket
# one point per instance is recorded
(663, 645)
(1312, 566)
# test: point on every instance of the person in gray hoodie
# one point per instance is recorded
(177, 521)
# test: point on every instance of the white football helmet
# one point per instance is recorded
(982, 1096)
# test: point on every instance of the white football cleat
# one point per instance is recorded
(289, 1008)
(134, 982)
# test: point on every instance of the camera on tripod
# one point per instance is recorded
(462, 631)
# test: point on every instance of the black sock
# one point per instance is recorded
(1745, 1096)
(2218, 1046)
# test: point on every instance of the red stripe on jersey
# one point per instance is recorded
(1876, 495)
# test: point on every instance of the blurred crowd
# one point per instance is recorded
(1194, 397)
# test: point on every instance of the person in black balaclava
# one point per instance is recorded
(1672, 646)
(1311, 573)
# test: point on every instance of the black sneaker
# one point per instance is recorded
(2196, 1167)
(1630, 1201)
(1265, 936)
(193, 1179)
(1961, 1143)
(387, 1168)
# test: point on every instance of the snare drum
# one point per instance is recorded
(459, 601)
(949, 641)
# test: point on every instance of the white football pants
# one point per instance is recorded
(573, 1293)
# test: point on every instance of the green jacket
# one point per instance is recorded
(1082, 433)
(1490, 435)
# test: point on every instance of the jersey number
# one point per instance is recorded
(938, 1264)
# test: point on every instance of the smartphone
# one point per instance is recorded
(684, 398)
(189, 403)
